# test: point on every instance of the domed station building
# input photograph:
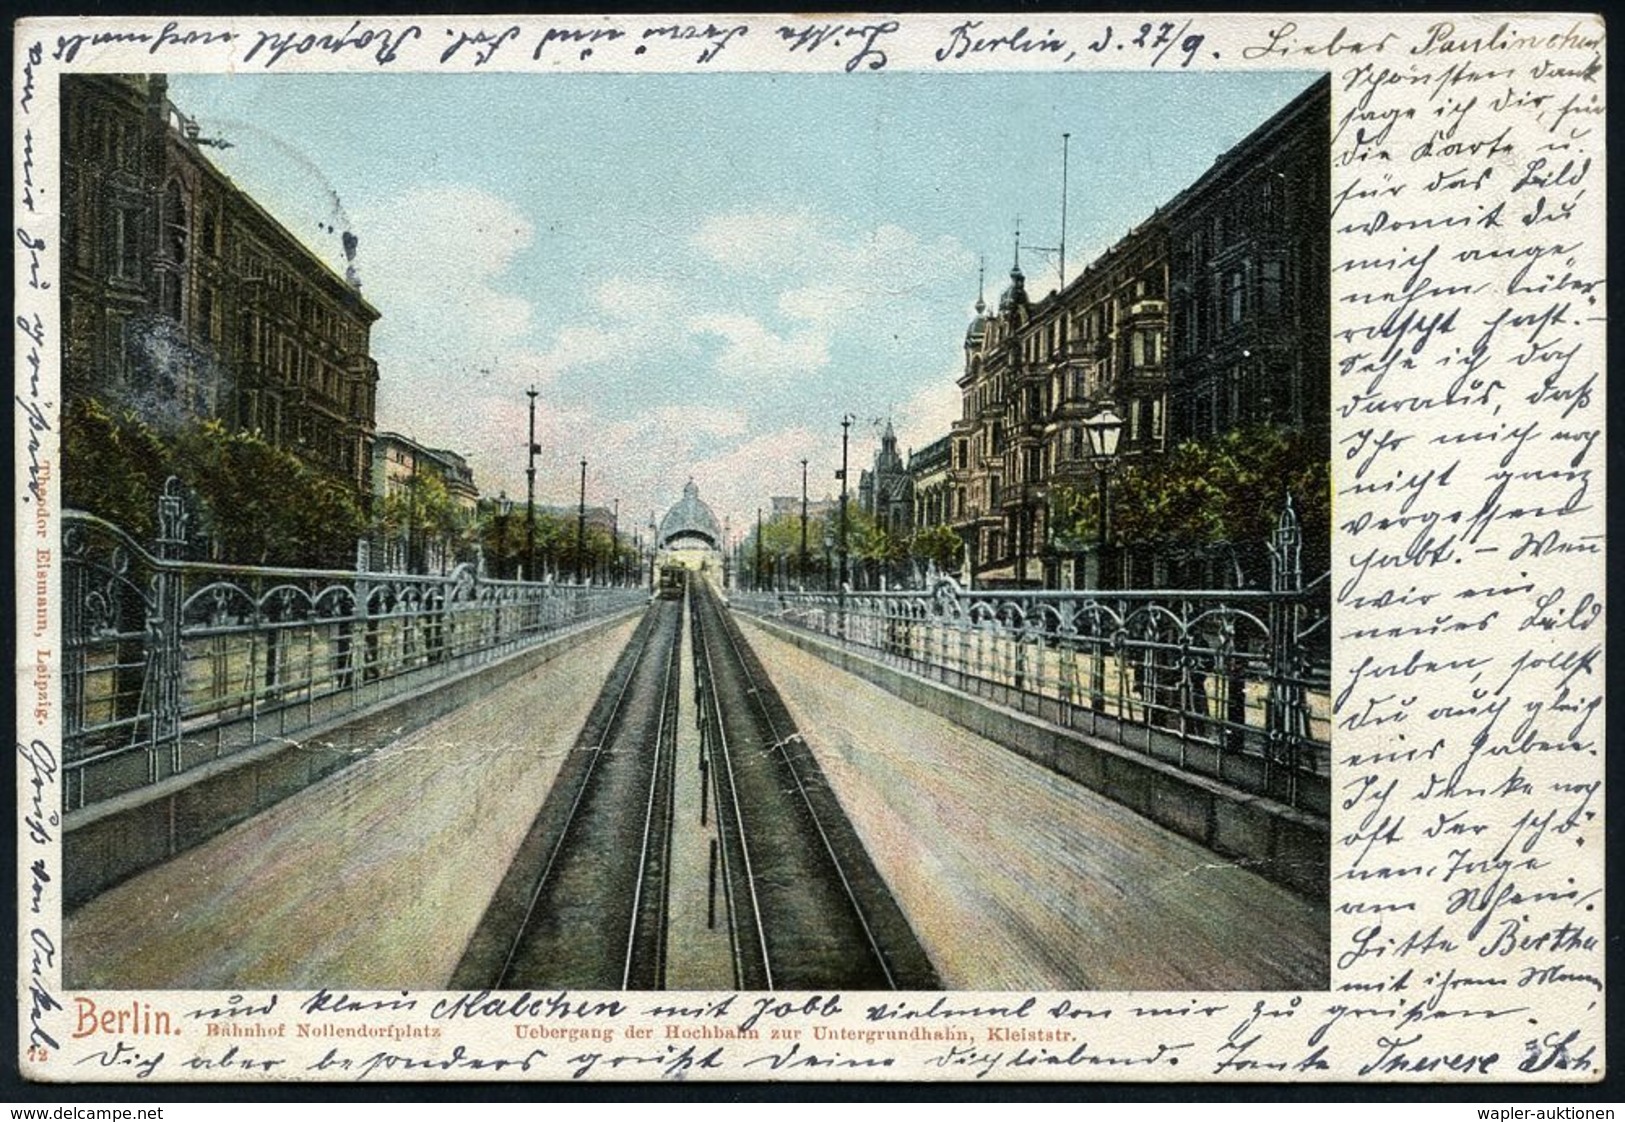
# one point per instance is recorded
(691, 536)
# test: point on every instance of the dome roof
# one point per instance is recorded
(1016, 294)
(690, 518)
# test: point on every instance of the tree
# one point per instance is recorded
(939, 546)
(255, 503)
(501, 537)
(114, 465)
(263, 505)
(876, 549)
(781, 537)
(1213, 499)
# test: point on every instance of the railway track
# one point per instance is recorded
(587, 900)
(584, 902)
(804, 902)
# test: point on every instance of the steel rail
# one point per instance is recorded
(812, 811)
(575, 806)
(721, 738)
(662, 755)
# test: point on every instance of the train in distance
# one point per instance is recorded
(673, 579)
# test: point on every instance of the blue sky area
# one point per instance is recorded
(700, 273)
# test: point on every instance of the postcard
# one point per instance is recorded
(889, 547)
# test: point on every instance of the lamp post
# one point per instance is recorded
(846, 427)
(504, 509)
(411, 507)
(615, 542)
(530, 492)
(654, 549)
(1103, 430)
(756, 573)
(829, 546)
(581, 528)
(968, 564)
(801, 569)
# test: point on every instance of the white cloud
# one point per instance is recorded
(931, 412)
(636, 300)
(751, 351)
(886, 260)
(824, 304)
(760, 241)
(463, 238)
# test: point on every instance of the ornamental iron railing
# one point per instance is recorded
(168, 665)
(1231, 684)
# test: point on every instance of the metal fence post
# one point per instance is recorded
(164, 655)
(1288, 714)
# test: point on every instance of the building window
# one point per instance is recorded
(1235, 289)
(1146, 348)
(118, 349)
(206, 317)
(126, 151)
(169, 294)
(126, 243)
(174, 222)
(1271, 288)
(1272, 204)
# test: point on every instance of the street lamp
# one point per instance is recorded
(801, 569)
(504, 509)
(846, 427)
(581, 528)
(829, 546)
(654, 549)
(1104, 430)
(530, 492)
(411, 507)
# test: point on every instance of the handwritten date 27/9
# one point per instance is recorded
(976, 37)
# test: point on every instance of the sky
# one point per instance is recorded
(700, 274)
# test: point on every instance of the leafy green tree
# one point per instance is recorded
(939, 546)
(263, 505)
(501, 537)
(1217, 498)
(114, 465)
(255, 503)
(877, 550)
(781, 537)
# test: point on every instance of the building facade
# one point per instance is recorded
(885, 491)
(928, 480)
(184, 300)
(1211, 315)
(1250, 246)
(400, 466)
